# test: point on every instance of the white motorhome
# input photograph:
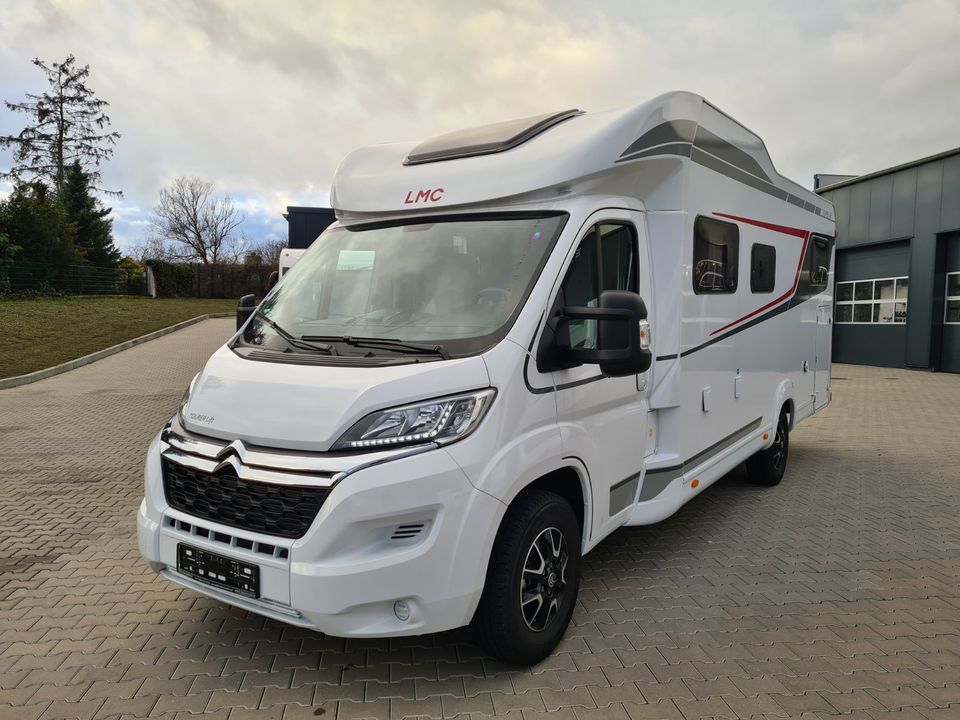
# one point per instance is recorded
(288, 258)
(515, 340)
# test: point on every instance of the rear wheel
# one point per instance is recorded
(767, 466)
(532, 581)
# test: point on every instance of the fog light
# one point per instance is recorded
(401, 610)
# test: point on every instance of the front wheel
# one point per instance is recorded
(532, 581)
(767, 466)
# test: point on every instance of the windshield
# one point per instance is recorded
(455, 282)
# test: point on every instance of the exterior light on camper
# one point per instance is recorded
(441, 421)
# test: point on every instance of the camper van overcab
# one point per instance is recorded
(515, 340)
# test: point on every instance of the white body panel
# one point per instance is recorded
(726, 364)
(289, 258)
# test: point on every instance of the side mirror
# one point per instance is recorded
(245, 308)
(623, 335)
(273, 280)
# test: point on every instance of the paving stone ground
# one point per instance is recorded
(835, 594)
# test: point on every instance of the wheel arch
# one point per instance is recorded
(784, 397)
(570, 481)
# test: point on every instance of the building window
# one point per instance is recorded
(763, 268)
(951, 315)
(716, 254)
(878, 301)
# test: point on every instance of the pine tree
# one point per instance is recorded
(35, 221)
(68, 125)
(94, 228)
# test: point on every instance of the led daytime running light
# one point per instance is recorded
(465, 417)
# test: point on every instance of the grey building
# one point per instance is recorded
(304, 224)
(898, 265)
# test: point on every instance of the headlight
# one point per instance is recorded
(440, 421)
(181, 417)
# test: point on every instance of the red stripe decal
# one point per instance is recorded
(795, 232)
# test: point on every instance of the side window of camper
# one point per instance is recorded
(818, 264)
(716, 256)
(763, 268)
(605, 260)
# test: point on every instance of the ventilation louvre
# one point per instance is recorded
(251, 546)
(407, 532)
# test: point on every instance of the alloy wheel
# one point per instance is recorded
(543, 581)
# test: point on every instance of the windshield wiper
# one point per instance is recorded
(301, 343)
(384, 343)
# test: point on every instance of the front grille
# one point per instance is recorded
(283, 510)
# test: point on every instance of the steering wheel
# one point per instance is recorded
(490, 296)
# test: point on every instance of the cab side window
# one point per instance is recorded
(605, 260)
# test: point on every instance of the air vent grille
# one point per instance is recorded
(407, 532)
(259, 548)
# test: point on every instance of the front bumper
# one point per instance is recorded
(355, 562)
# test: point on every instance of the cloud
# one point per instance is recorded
(265, 98)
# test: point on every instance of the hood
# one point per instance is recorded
(308, 407)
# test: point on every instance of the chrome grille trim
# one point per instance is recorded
(273, 465)
(276, 467)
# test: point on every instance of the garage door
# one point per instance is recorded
(872, 301)
(950, 345)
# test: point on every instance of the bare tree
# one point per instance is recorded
(152, 247)
(200, 225)
(69, 125)
(269, 251)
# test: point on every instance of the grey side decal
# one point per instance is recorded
(724, 150)
(724, 168)
(656, 481)
(681, 149)
(622, 494)
(713, 155)
(672, 131)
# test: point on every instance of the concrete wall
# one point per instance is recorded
(919, 204)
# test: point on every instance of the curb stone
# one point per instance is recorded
(33, 377)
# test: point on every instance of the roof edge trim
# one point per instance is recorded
(887, 171)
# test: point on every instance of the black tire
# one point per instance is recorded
(767, 466)
(506, 625)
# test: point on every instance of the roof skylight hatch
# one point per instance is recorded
(485, 139)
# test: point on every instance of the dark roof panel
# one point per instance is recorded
(486, 139)
(887, 171)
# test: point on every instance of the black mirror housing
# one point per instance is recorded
(622, 339)
(273, 280)
(245, 308)
(619, 351)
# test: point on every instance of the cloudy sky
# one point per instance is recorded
(264, 98)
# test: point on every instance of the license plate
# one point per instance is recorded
(219, 571)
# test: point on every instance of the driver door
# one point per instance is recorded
(603, 420)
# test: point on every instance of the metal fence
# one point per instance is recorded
(205, 281)
(26, 278)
